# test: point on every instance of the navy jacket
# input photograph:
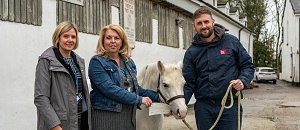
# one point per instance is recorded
(108, 85)
(209, 67)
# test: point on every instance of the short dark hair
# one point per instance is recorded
(202, 10)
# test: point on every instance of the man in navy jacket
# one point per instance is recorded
(213, 61)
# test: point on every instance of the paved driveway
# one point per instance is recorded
(267, 106)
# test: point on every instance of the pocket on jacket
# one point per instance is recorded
(112, 72)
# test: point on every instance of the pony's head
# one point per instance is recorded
(170, 87)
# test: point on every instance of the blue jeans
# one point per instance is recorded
(207, 111)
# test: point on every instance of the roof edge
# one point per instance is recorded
(217, 10)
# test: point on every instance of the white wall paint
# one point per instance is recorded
(145, 53)
(22, 44)
(290, 65)
(20, 47)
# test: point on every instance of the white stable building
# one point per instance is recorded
(157, 29)
(291, 44)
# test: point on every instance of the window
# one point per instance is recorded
(143, 20)
(188, 31)
(267, 70)
(89, 18)
(168, 31)
(21, 11)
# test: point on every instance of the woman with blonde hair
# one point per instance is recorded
(116, 93)
(61, 92)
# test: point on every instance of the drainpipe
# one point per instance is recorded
(240, 33)
(293, 68)
(298, 53)
(249, 42)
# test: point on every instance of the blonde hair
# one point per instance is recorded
(61, 29)
(125, 50)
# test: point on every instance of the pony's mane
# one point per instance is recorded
(149, 74)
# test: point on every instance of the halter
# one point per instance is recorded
(171, 99)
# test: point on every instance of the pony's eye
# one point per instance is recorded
(165, 85)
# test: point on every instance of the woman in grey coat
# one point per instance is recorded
(61, 93)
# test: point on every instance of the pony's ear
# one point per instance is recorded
(180, 64)
(160, 66)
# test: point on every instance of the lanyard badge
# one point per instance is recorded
(79, 98)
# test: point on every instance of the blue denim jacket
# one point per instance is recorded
(107, 83)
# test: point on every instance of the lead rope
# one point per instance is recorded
(187, 124)
(229, 89)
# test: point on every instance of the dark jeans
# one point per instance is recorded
(207, 111)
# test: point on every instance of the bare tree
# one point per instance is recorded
(280, 9)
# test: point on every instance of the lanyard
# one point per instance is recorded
(73, 67)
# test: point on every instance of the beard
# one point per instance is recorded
(206, 35)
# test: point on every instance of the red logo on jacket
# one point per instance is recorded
(225, 51)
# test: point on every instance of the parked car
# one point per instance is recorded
(265, 74)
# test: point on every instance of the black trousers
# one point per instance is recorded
(84, 125)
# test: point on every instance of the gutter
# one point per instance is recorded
(225, 15)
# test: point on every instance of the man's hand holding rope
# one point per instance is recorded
(237, 84)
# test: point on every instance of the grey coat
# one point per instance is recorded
(54, 93)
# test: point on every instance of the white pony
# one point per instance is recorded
(166, 79)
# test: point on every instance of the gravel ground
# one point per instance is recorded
(266, 107)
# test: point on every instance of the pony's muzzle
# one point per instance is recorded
(180, 113)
